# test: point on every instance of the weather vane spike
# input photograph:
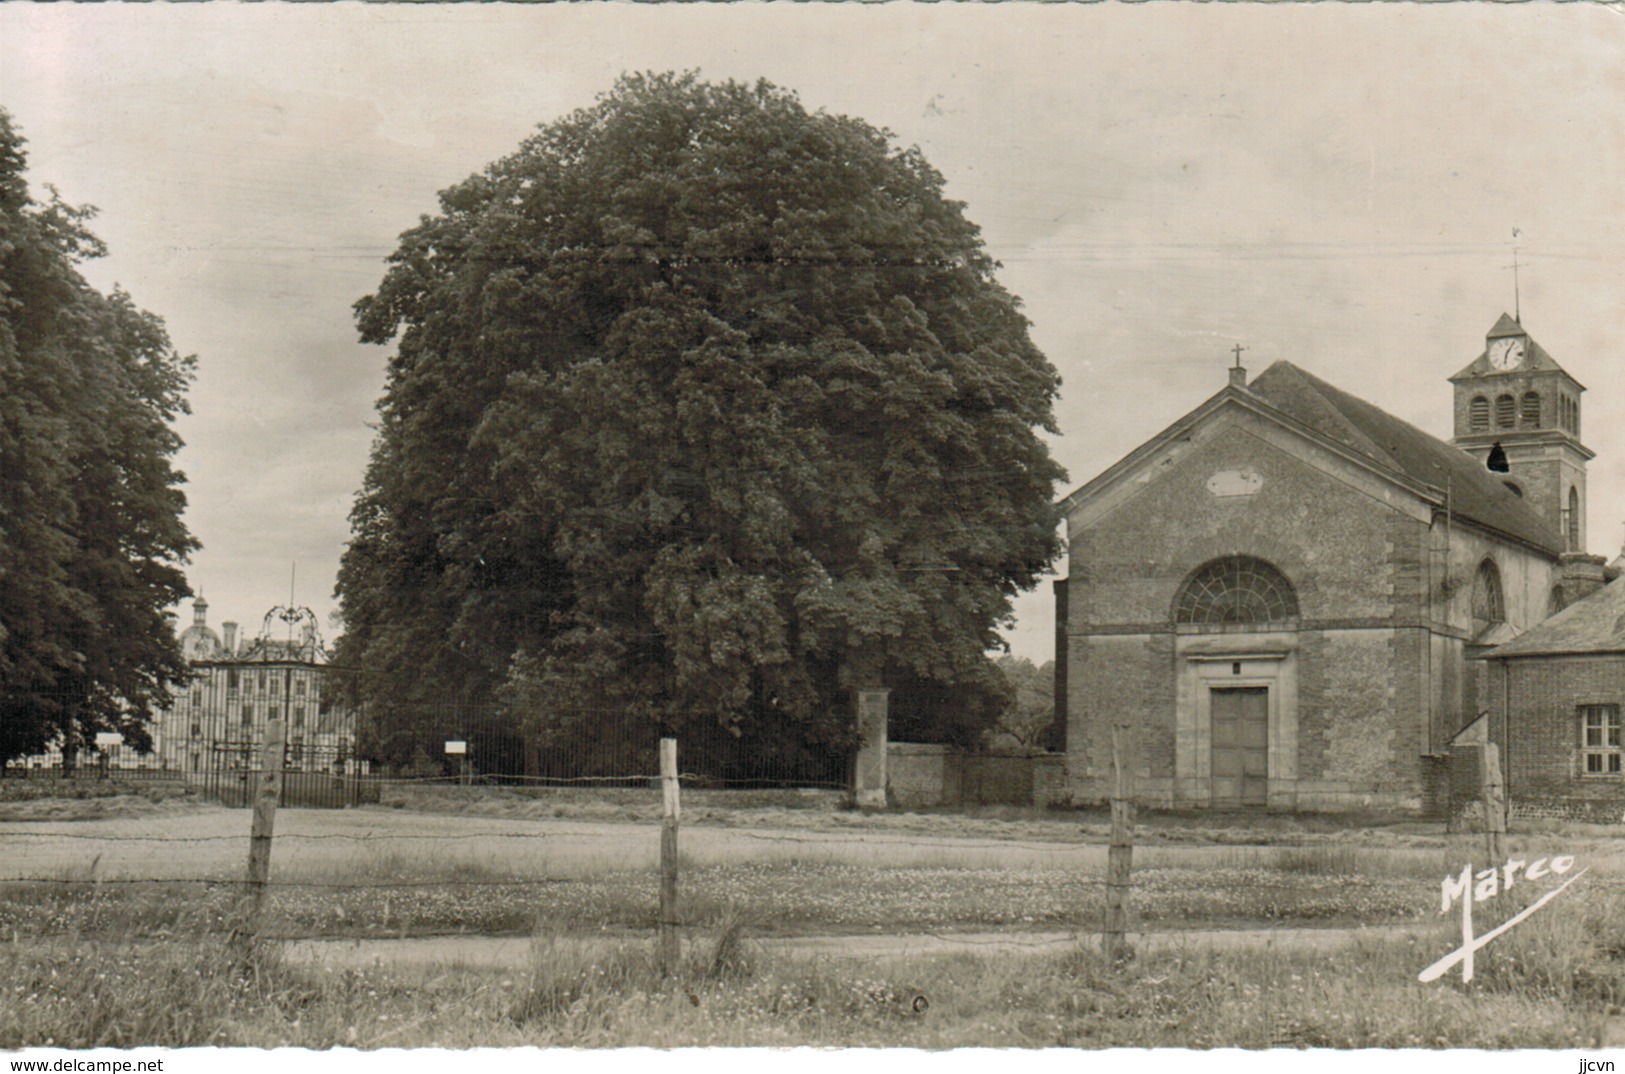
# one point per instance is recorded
(1517, 311)
(291, 614)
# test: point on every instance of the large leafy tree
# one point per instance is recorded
(704, 409)
(91, 539)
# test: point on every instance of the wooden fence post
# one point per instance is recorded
(1120, 856)
(1493, 793)
(670, 945)
(267, 792)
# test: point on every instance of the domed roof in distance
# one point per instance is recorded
(200, 642)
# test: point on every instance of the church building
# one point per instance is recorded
(1280, 599)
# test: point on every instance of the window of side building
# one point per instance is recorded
(1599, 740)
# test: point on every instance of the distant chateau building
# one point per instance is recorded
(219, 719)
(212, 733)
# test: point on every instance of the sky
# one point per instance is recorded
(1335, 185)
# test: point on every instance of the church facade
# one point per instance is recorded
(1278, 599)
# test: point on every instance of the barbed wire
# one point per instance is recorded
(497, 779)
(835, 838)
(223, 881)
(453, 882)
(483, 779)
(226, 881)
(280, 836)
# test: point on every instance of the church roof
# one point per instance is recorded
(1474, 493)
(1594, 624)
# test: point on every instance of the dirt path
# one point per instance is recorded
(374, 843)
(516, 952)
(212, 842)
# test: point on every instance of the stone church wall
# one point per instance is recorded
(1376, 666)
(1527, 579)
(1357, 739)
(1357, 566)
(1127, 678)
(1324, 534)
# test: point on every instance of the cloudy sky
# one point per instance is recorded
(1336, 185)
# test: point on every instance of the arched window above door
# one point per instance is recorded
(1235, 590)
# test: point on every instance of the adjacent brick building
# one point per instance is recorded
(1554, 705)
(1279, 596)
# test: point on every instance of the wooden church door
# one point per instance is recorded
(1240, 746)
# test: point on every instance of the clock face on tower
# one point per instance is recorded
(1506, 353)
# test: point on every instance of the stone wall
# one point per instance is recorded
(1559, 807)
(921, 775)
(996, 779)
(1049, 780)
(924, 776)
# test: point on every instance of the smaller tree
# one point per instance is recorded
(1029, 718)
(966, 713)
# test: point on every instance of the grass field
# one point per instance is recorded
(124, 915)
(1550, 986)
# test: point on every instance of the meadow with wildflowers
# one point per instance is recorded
(1558, 985)
(109, 924)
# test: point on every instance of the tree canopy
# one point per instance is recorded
(703, 407)
(91, 538)
(1028, 720)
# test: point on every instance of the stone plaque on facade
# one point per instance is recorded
(1235, 483)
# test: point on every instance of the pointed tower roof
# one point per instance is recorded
(1536, 358)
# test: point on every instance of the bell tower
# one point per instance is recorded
(1518, 412)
